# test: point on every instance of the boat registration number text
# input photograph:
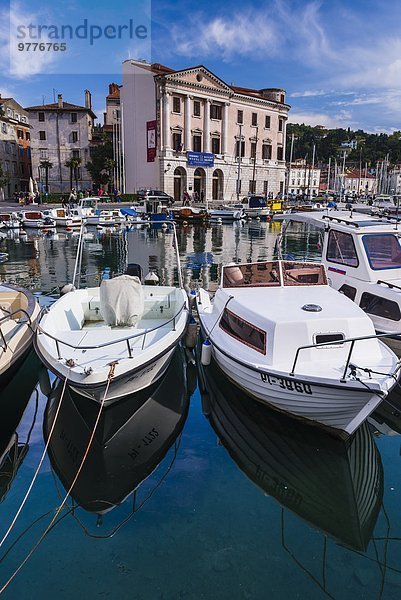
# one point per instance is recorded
(287, 384)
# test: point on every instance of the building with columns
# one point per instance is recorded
(189, 131)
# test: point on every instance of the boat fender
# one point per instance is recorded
(191, 335)
(268, 218)
(258, 218)
(68, 287)
(206, 353)
(192, 298)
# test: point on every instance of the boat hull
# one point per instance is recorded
(339, 409)
(127, 384)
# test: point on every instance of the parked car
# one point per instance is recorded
(143, 194)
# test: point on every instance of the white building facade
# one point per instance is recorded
(59, 133)
(303, 179)
(189, 131)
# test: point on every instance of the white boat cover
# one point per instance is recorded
(121, 301)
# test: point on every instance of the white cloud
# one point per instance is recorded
(308, 94)
(341, 119)
(17, 63)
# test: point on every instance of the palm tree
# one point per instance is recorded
(73, 164)
(46, 165)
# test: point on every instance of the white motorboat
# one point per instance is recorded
(256, 207)
(121, 334)
(362, 255)
(36, 219)
(9, 220)
(19, 312)
(281, 334)
(226, 214)
(88, 210)
(384, 205)
(64, 217)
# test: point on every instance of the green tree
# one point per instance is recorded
(46, 165)
(102, 164)
(73, 164)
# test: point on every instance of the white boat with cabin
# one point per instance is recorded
(9, 220)
(88, 209)
(36, 219)
(362, 255)
(121, 334)
(281, 334)
(64, 217)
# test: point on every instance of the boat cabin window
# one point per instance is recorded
(297, 273)
(380, 307)
(243, 331)
(252, 275)
(341, 249)
(329, 338)
(383, 250)
(348, 291)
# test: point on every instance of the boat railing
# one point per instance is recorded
(389, 284)
(57, 341)
(346, 341)
(9, 316)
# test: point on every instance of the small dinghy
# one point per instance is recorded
(281, 334)
(19, 312)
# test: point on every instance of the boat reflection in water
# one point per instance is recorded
(14, 398)
(131, 439)
(334, 485)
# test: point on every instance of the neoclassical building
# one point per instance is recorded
(188, 130)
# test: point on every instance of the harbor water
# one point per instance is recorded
(190, 490)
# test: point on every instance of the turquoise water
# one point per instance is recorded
(232, 500)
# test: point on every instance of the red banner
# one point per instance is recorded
(151, 140)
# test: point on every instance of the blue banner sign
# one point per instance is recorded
(200, 159)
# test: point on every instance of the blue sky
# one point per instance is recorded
(340, 61)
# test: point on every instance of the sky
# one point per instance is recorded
(339, 61)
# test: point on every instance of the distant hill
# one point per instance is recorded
(358, 145)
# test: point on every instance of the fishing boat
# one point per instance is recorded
(116, 339)
(9, 221)
(19, 312)
(227, 214)
(281, 334)
(362, 255)
(36, 219)
(334, 485)
(131, 439)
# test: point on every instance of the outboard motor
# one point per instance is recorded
(134, 270)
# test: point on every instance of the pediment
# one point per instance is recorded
(200, 78)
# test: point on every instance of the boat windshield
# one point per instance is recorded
(383, 250)
(268, 274)
(299, 273)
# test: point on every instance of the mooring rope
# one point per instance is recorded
(60, 508)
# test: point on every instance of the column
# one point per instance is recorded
(187, 123)
(206, 126)
(224, 149)
(166, 120)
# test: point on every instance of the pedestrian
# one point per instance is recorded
(202, 195)
(72, 198)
